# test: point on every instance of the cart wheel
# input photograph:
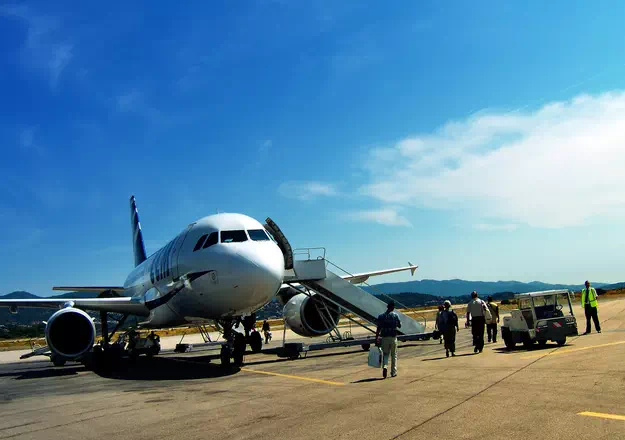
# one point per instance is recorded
(510, 344)
(366, 347)
(542, 342)
(528, 343)
(561, 342)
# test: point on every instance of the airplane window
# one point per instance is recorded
(212, 239)
(233, 236)
(200, 242)
(258, 234)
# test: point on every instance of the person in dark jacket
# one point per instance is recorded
(266, 331)
(448, 326)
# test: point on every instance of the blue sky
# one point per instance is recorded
(477, 140)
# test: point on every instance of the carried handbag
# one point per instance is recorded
(375, 357)
(488, 316)
(436, 334)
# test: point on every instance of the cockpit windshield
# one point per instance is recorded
(233, 236)
(258, 234)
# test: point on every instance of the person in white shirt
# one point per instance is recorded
(478, 311)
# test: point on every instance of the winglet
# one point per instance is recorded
(413, 268)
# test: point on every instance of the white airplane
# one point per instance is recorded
(221, 268)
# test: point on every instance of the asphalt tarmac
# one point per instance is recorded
(575, 392)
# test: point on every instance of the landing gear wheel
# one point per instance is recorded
(156, 349)
(224, 356)
(58, 361)
(561, 342)
(256, 342)
(238, 350)
(366, 347)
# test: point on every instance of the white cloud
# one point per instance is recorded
(307, 190)
(44, 47)
(28, 143)
(27, 138)
(128, 101)
(265, 145)
(384, 216)
(60, 57)
(495, 227)
(561, 165)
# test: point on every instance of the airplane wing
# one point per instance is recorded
(362, 277)
(116, 289)
(140, 306)
(125, 305)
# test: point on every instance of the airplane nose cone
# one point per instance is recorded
(265, 270)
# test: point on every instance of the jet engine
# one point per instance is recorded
(70, 333)
(310, 315)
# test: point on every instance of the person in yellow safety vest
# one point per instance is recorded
(589, 303)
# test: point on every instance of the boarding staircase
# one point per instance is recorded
(315, 275)
(307, 271)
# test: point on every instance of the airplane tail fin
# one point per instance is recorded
(137, 237)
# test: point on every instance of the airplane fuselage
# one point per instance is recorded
(241, 267)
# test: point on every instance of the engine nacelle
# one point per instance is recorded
(304, 318)
(70, 333)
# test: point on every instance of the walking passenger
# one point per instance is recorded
(589, 303)
(388, 323)
(491, 324)
(449, 327)
(478, 311)
(266, 331)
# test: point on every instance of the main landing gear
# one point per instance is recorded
(129, 344)
(234, 348)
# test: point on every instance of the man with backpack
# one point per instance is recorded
(491, 324)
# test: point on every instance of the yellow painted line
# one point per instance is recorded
(288, 376)
(602, 415)
(572, 350)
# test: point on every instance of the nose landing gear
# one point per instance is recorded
(234, 348)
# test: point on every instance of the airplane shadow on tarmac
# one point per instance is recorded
(273, 361)
(41, 373)
(165, 368)
(142, 369)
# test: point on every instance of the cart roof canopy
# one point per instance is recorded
(541, 293)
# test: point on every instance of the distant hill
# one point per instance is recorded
(614, 286)
(410, 294)
(463, 287)
(20, 294)
(30, 316)
(409, 299)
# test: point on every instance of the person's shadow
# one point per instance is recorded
(445, 357)
(371, 379)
